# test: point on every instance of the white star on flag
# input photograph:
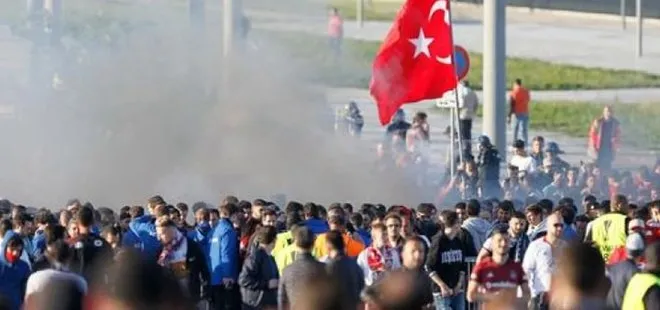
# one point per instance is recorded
(421, 44)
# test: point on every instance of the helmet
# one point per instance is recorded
(483, 140)
(553, 148)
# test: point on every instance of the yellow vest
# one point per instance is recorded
(639, 284)
(283, 240)
(285, 257)
(608, 233)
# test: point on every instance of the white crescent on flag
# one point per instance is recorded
(442, 5)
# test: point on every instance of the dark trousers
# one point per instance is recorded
(539, 303)
(465, 134)
(224, 298)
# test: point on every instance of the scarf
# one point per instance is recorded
(520, 247)
(169, 249)
(379, 260)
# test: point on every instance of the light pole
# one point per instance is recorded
(494, 74)
(640, 20)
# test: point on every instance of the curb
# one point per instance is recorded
(560, 13)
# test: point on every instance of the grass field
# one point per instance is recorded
(354, 69)
(373, 10)
(638, 121)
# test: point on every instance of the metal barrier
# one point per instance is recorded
(471, 261)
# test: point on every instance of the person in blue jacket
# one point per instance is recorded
(141, 234)
(223, 261)
(14, 272)
(313, 219)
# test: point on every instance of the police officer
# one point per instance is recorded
(397, 130)
(89, 249)
(488, 164)
(643, 290)
(350, 120)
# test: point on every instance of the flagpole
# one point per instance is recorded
(454, 109)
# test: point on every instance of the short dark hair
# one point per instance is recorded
(335, 239)
(449, 218)
(303, 237)
(473, 207)
(164, 222)
(293, 206)
(156, 200)
(266, 235)
(136, 211)
(292, 219)
(227, 209)
(518, 81)
(337, 220)
(357, 219)
(85, 216)
(5, 226)
(182, 206)
(54, 233)
(534, 209)
(269, 212)
(518, 215)
(214, 211)
(311, 210)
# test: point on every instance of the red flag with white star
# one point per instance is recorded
(415, 61)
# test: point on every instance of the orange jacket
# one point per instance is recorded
(595, 134)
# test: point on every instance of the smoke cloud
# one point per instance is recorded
(150, 114)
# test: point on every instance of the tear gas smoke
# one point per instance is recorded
(148, 116)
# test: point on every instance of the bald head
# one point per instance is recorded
(555, 225)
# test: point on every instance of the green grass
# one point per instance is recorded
(638, 121)
(373, 10)
(354, 69)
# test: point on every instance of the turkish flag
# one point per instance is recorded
(415, 61)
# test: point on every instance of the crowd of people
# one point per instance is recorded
(258, 255)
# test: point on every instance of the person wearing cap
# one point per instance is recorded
(635, 226)
(643, 290)
(552, 152)
(621, 272)
(521, 159)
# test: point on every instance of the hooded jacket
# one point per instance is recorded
(223, 252)
(478, 229)
(13, 276)
(141, 234)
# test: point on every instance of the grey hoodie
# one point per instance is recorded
(479, 229)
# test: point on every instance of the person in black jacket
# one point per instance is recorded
(259, 278)
(185, 260)
(446, 262)
(89, 249)
(345, 268)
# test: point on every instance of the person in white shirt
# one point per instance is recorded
(539, 261)
(379, 257)
(525, 163)
(468, 104)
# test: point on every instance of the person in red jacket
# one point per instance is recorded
(604, 139)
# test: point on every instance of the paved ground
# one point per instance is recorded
(575, 148)
(605, 46)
